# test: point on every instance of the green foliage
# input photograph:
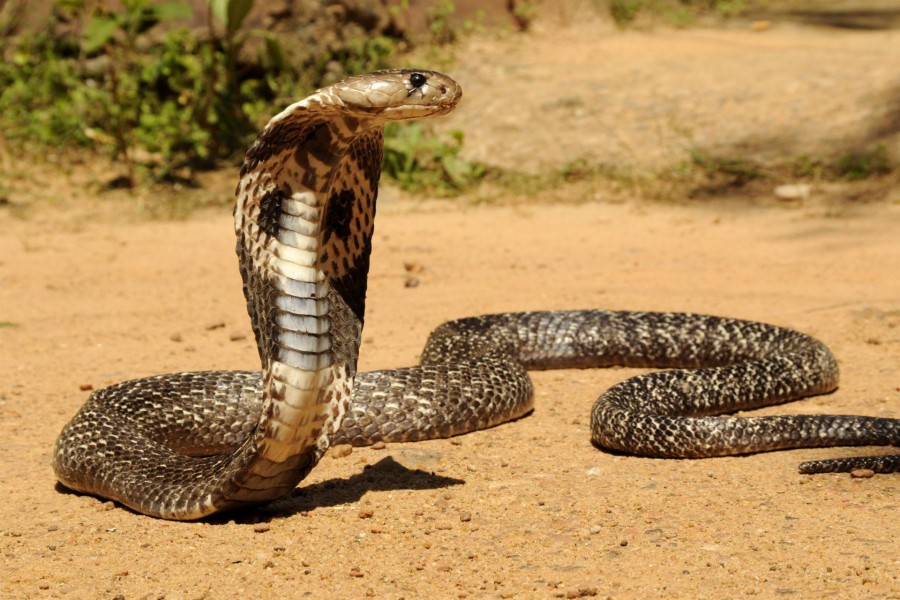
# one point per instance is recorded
(721, 8)
(181, 100)
(805, 167)
(679, 13)
(736, 170)
(525, 11)
(853, 166)
(624, 12)
(164, 101)
(43, 96)
(440, 27)
(231, 13)
(420, 161)
(363, 54)
(177, 102)
(864, 164)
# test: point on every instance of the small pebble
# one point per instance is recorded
(341, 451)
(862, 473)
(378, 446)
(411, 282)
(623, 543)
(355, 572)
(85, 387)
(219, 325)
(465, 517)
(236, 337)
(799, 191)
(176, 337)
(261, 528)
(366, 513)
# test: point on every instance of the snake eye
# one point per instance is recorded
(417, 80)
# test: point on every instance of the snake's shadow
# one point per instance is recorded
(385, 475)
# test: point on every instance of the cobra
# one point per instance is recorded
(186, 445)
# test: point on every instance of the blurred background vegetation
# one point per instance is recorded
(167, 89)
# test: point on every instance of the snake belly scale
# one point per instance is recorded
(186, 445)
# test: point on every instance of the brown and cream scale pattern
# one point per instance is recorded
(304, 219)
(185, 445)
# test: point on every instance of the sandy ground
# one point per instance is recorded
(526, 510)
(646, 101)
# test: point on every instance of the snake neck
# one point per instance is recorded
(304, 221)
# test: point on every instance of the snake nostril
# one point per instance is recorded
(443, 89)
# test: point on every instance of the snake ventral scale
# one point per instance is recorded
(186, 445)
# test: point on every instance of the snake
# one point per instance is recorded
(186, 445)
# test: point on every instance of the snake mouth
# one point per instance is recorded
(431, 103)
(416, 111)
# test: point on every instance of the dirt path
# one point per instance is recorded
(525, 510)
(647, 100)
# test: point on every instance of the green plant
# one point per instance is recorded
(737, 170)
(114, 34)
(178, 100)
(439, 18)
(419, 160)
(363, 54)
(806, 167)
(864, 164)
(679, 13)
(165, 101)
(624, 12)
(721, 8)
(42, 94)
(524, 12)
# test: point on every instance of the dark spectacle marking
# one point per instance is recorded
(352, 285)
(270, 207)
(338, 215)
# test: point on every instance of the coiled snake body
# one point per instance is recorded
(186, 445)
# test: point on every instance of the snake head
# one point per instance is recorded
(398, 94)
